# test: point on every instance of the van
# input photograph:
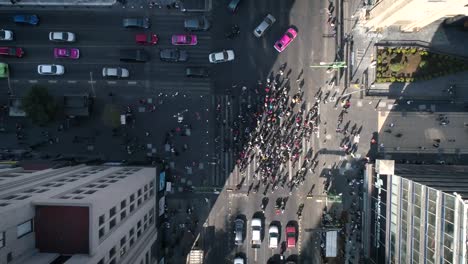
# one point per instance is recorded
(136, 22)
(200, 23)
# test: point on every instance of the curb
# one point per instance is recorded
(39, 3)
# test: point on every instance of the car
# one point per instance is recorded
(285, 40)
(134, 55)
(239, 260)
(222, 56)
(267, 22)
(184, 39)
(146, 39)
(239, 231)
(62, 36)
(26, 19)
(4, 70)
(115, 72)
(136, 22)
(11, 52)
(50, 69)
(173, 55)
(197, 72)
(69, 53)
(6, 34)
(233, 5)
(291, 236)
(256, 225)
(200, 23)
(274, 236)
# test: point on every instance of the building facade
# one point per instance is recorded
(412, 15)
(78, 215)
(416, 213)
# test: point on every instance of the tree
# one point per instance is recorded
(39, 105)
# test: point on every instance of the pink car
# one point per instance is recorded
(184, 39)
(69, 53)
(285, 40)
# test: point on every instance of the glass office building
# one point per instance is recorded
(416, 213)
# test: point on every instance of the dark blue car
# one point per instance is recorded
(26, 19)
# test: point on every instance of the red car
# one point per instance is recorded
(69, 53)
(291, 236)
(285, 40)
(11, 51)
(146, 39)
(184, 39)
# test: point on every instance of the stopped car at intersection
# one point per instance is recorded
(136, 22)
(285, 40)
(134, 55)
(117, 72)
(26, 19)
(273, 233)
(11, 52)
(173, 55)
(239, 231)
(50, 69)
(6, 34)
(267, 22)
(199, 23)
(62, 36)
(146, 39)
(291, 236)
(222, 56)
(184, 39)
(66, 53)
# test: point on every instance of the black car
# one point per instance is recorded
(197, 72)
(200, 23)
(233, 5)
(134, 55)
(136, 22)
(173, 55)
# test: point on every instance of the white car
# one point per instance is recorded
(274, 236)
(222, 56)
(115, 72)
(6, 34)
(62, 36)
(50, 69)
(239, 260)
(256, 232)
(264, 25)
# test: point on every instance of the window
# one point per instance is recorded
(2, 239)
(132, 241)
(24, 228)
(123, 240)
(112, 211)
(146, 187)
(90, 192)
(123, 204)
(131, 232)
(139, 224)
(101, 232)
(139, 192)
(9, 257)
(102, 218)
(102, 186)
(132, 207)
(139, 201)
(111, 223)
(101, 261)
(123, 214)
(138, 233)
(112, 252)
(132, 197)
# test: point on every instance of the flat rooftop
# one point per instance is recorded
(417, 132)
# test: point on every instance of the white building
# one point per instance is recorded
(78, 215)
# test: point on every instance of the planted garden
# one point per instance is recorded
(410, 64)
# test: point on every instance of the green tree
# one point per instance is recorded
(39, 105)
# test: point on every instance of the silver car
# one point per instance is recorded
(115, 72)
(239, 231)
(62, 36)
(6, 34)
(50, 69)
(266, 23)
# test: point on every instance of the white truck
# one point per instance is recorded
(256, 232)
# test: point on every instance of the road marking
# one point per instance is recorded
(132, 82)
(32, 81)
(52, 81)
(91, 82)
(255, 255)
(71, 81)
(15, 81)
(111, 82)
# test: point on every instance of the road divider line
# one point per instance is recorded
(32, 81)
(52, 81)
(71, 81)
(111, 82)
(132, 82)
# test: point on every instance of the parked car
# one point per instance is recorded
(146, 39)
(233, 5)
(197, 72)
(26, 19)
(184, 39)
(200, 23)
(115, 72)
(134, 55)
(136, 22)
(173, 55)
(285, 40)
(239, 231)
(256, 225)
(239, 260)
(68, 53)
(62, 36)
(6, 34)
(291, 236)
(11, 52)
(274, 236)
(50, 69)
(3, 70)
(267, 22)
(222, 56)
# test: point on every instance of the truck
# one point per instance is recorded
(256, 232)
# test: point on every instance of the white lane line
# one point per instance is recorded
(91, 82)
(132, 82)
(52, 81)
(111, 82)
(71, 81)
(32, 81)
